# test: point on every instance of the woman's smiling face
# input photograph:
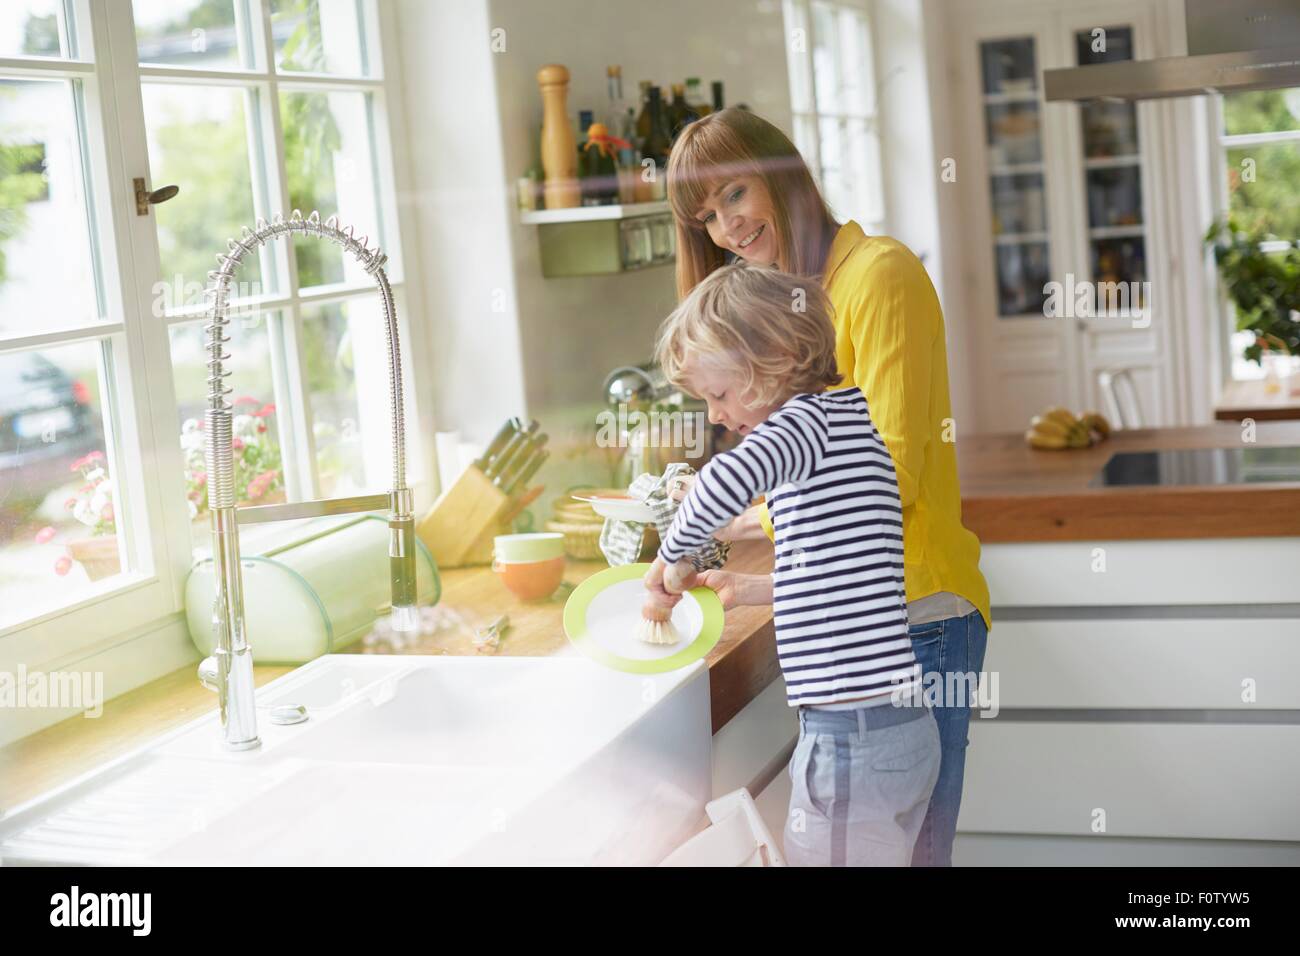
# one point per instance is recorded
(738, 215)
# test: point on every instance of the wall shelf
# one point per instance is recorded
(602, 240)
(544, 217)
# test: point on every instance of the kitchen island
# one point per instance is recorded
(1144, 652)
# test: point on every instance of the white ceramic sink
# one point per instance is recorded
(405, 760)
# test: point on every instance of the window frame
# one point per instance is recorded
(798, 15)
(1220, 142)
(147, 457)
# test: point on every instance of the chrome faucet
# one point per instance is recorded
(229, 671)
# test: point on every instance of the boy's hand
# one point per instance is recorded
(654, 583)
(679, 577)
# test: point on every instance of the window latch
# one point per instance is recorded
(144, 199)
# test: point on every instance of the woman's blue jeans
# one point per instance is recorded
(948, 652)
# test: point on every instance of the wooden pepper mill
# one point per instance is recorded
(559, 151)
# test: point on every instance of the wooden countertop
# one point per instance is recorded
(1011, 492)
(740, 666)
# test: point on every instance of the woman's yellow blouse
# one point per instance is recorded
(889, 341)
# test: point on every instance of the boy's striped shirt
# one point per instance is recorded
(839, 605)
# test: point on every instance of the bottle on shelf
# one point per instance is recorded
(719, 101)
(679, 111)
(695, 97)
(658, 139)
(583, 124)
(655, 145)
(600, 169)
(616, 109)
(642, 129)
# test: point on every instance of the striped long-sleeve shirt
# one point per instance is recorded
(839, 597)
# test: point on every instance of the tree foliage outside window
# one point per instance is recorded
(1264, 179)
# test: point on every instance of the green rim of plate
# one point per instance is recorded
(575, 624)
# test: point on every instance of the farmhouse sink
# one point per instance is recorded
(404, 760)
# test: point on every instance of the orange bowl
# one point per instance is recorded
(531, 580)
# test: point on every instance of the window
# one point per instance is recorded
(833, 95)
(251, 107)
(1259, 140)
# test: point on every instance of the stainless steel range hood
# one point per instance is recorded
(1232, 45)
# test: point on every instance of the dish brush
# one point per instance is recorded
(656, 626)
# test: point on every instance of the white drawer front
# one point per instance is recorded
(1155, 780)
(1202, 664)
(1068, 574)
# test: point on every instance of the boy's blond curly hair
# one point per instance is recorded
(770, 328)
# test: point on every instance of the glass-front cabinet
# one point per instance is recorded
(1017, 157)
(1112, 163)
(1017, 188)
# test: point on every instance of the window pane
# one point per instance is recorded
(859, 73)
(198, 33)
(834, 184)
(865, 181)
(347, 383)
(1013, 134)
(42, 209)
(1109, 129)
(198, 139)
(1114, 196)
(259, 471)
(327, 153)
(1022, 274)
(1103, 45)
(1261, 111)
(1120, 260)
(318, 36)
(1008, 66)
(826, 67)
(58, 510)
(1262, 184)
(1019, 204)
(31, 28)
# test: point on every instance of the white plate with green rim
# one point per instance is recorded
(603, 612)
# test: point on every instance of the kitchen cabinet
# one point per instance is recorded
(1060, 206)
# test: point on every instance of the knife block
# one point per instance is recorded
(471, 508)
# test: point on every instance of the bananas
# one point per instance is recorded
(1057, 428)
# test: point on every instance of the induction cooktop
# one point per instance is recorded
(1200, 466)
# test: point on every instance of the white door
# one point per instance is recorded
(1108, 147)
(1057, 204)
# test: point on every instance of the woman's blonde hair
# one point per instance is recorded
(770, 328)
(733, 143)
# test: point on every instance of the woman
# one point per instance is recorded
(739, 189)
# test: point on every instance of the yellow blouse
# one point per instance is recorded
(889, 341)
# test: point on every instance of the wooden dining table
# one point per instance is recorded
(1260, 400)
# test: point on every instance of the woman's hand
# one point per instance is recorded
(737, 590)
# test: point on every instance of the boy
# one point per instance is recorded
(758, 347)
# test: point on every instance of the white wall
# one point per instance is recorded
(460, 206)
